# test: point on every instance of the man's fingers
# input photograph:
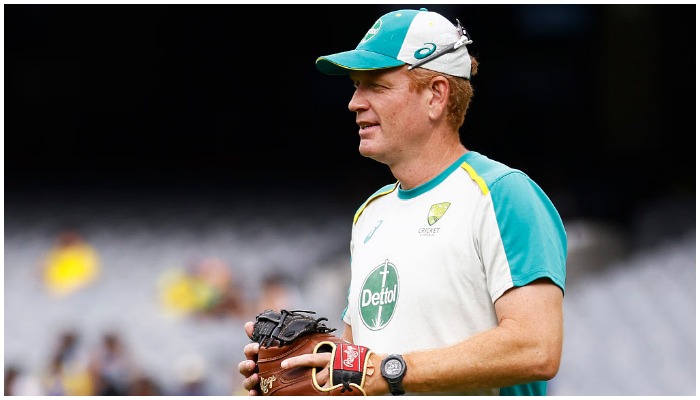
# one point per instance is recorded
(307, 360)
(322, 377)
(249, 329)
(251, 383)
(247, 368)
(251, 351)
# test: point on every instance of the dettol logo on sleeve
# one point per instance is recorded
(378, 296)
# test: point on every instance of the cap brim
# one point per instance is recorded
(355, 60)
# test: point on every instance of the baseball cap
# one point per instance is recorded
(414, 37)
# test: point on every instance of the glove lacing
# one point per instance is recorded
(345, 379)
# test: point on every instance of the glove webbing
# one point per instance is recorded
(286, 330)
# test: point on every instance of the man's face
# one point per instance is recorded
(393, 119)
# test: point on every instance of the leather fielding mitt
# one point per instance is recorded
(286, 334)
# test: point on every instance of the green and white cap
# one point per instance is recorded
(414, 37)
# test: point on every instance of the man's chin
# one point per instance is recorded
(366, 151)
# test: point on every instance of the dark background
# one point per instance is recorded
(595, 102)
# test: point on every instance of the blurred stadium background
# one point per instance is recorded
(205, 168)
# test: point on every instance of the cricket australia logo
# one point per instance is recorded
(378, 296)
(372, 31)
(437, 211)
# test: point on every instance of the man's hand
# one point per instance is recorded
(248, 368)
(319, 360)
(294, 354)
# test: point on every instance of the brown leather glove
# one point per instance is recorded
(287, 334)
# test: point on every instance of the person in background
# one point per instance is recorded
(67, 373)
(11, 377)
(111, 366)
(144, 385)
(278, 291)
(71, 264)
(204, 288)
(191, 370)
(19, 382)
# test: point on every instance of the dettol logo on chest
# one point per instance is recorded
(378, 296)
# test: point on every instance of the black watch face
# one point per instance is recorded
(393, 368)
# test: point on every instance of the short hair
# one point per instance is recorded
(461, 91)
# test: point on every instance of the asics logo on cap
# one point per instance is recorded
(425, 51)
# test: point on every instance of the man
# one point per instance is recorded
(458, 268)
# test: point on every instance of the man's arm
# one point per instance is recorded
(525, 346)
(347, 333)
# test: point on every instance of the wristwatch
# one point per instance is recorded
(393, 370)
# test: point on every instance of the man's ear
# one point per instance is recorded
(440, 94)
